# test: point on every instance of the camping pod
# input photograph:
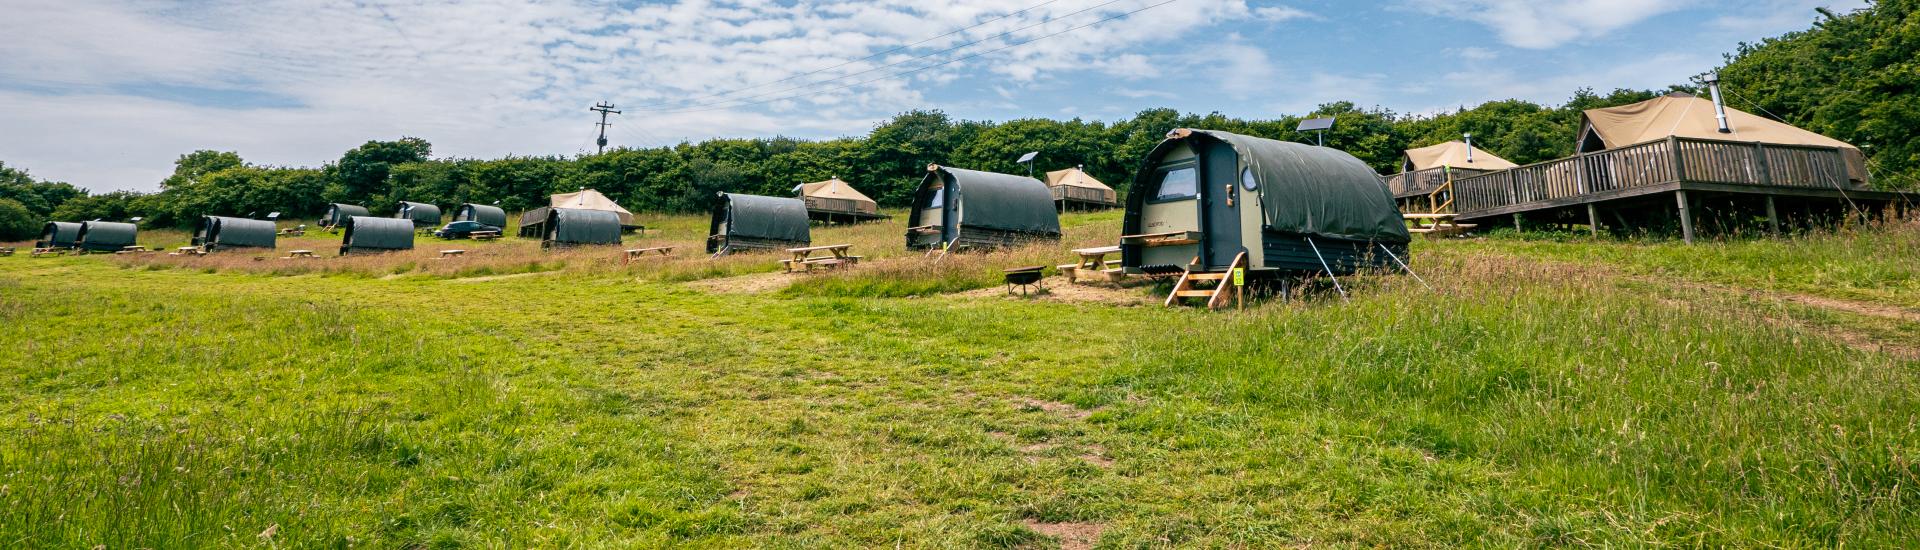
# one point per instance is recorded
(1074, 189)
(955, 208)
(571, 226)
(422, 214)
(1201, 198)
(533, 222)
(754, 222)
(58, 235)
(834, 201)
(490, 215)
(98, 236)
(217, 232)
(337, 214)
(371, 234)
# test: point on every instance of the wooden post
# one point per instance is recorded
(1679, 161)
(1686, 216)
(1760, 163)
(1593, 219)
(1516, 222)
(1773, 217)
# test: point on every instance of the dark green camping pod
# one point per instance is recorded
(572, 226)
(98, 236)
(754, 222)
(1293, 209)
(422, 214)
(371, 234)
(955, 208)
(58, 235)
(218, 232)
(490, 215)
(337, 214)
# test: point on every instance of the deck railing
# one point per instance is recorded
(1655, 163)
(1422, 182)
(840, 205)
(1083, 194)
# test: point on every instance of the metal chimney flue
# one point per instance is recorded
(1469, 139)
(1719, 107)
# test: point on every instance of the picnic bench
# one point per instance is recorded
(189, 251)
(635, 253)
(6, 251)
(38, 252)
(299, 254)
(295, 231)
(484, 235)
(1092, 260)
(1436, 225)
(804, 260)
(455, 253)
(135, 249)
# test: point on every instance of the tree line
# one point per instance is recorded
(1850, 76)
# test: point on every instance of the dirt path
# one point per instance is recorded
(1059, 290)
(758, 283)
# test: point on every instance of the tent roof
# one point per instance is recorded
(1074, 177)
(832, 189)
(1684, 115)
(588, 199)
(1006, 202)
(1313, 190)
(1453, 154)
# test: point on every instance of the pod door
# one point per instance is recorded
(1219, 205)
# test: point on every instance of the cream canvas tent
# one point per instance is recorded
(836, 201)
(1453, 154)
(533, 222)
(1074, 188)
(1683, 115)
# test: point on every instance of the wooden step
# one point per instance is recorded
(1193, 293)
(1207, 276)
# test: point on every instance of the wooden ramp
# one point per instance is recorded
(1215, 286)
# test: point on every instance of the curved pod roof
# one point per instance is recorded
(421, 213)
(1308, 190)
(216, 232)
(337, 213)
(762, 218)
(490, 215)
(368, 233)
(58, 235)
(1453, 154)
(991, 200)
(107, 236)
(575, 226)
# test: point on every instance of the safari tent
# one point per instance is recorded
(337, 214)
(217, 232)
(956, 208)
(1684, 115)
(98, 236)
(533, 222)
(834, 201)
(1074, 189)
(573, 226)
(58, 235)
(754, 222)
(422, 214)
(371, 234)
(1425, 170)
(490, 215)
(1201, 198)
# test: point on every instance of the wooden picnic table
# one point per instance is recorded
(804, 259)
(484, 235)
(6, 251)
(634, 253)
(1091, 260)
(190, 251)
(135, 249)
(291, 254)
(455, 253)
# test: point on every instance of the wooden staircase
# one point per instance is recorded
(1215, 286)
(1438, 221)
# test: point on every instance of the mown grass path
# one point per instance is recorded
(1522, 404)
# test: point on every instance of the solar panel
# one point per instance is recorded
(1315, 124)
(1028, 157)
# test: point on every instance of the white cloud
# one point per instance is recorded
(1540, 24)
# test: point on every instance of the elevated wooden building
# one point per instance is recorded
(834, 201)
(1074, 189)
(1421, 184)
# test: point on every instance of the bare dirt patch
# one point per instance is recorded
(1059, 290)
(1072, 535)
(758, 283)
(1056, 407)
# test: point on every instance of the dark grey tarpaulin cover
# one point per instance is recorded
(421, 213)
(58, 235)
(224, 232)
(370, 233)
(761, 217)
(1318, 191)
(490, 215)
(337, 213)
(107, 236)
(1005, 202)
(576, 226)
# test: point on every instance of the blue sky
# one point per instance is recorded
(106, 93)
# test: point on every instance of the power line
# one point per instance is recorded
(685, 108)
(850, 62)
(916, 70)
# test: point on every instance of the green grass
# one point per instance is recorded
(1537, 399)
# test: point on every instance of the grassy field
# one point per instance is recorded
(1547, 392)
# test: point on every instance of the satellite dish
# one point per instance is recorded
(1028, 157)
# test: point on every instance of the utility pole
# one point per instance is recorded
(603, 108)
